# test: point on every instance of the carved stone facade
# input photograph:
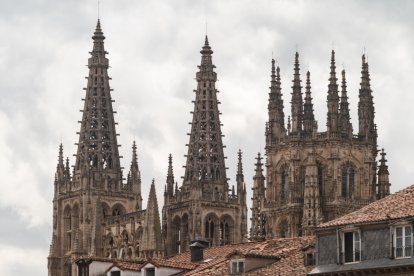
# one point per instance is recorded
(94, 212)
(312, 176)
(204, 206)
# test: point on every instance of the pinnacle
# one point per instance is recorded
(134, 152)
(259, 165)
(240, 164)
(60, 160)
(98, 34)
(206, 49)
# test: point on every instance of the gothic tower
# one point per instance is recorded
(94, 198)
(314, 176)
(204, 206)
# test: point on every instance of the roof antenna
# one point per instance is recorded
(333, 45)
(98, 9)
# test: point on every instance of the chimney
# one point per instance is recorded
(196, 248)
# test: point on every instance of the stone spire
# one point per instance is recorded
(205, 158)
(258, 231)
(312, 213)
(333, 101)
(297, 102)
(151, 241)
(170, 177)
(239, 176)
(366, 110)
(60, 169)
(383, 177)
(98, 147)
(67, 170)
(241, 196)
(276, 124)
(308, 116)
(345, 124)
(134, 177)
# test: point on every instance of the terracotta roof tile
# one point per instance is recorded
(396, 206)
(287, 252)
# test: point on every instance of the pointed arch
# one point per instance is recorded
(184, 233)
(67, 228)
(347, 170)
(176, 235)
(118, 209)
(226, 229)
(211, 223)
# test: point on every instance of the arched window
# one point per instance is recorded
(184, 232)
(283, 184)
(224, 233)
(67, 228)
(347, 181)
(176, 228)
(209, 231)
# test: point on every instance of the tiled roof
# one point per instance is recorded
(396, 206)
(135, 266)
(287, 253)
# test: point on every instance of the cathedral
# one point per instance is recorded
(310, 176)
(98, 214)
(313, 176)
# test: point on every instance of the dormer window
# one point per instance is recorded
(351, 246)
(237, 266)
(403, 241)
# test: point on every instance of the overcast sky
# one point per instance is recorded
(154, 52)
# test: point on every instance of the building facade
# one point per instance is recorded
(313, 176)
(205, 205)
(95, 213)
(375, 240)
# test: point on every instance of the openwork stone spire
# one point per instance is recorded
(205, 159)
(98, 147)
(344, 117)
(333, 100)
(297, 102)
(276, 124)
(308, 116)
(366, 110)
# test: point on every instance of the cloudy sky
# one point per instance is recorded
(154, 52)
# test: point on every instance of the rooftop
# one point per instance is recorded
(393, 207)
(287, 253)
